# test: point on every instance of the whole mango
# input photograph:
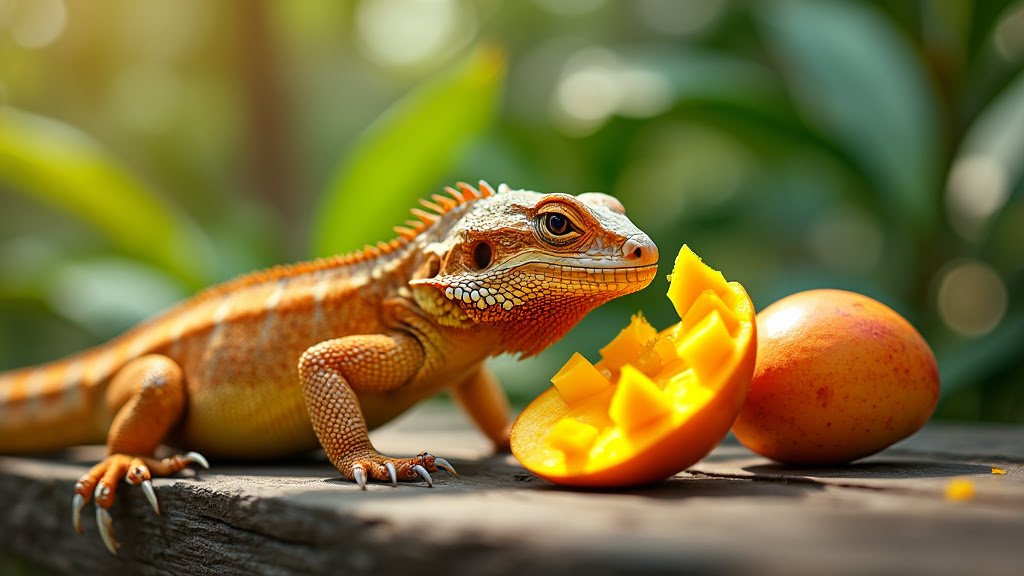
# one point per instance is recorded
(838, 376)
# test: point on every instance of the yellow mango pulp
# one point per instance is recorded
(656, 402)
(578, 380)
(628, 345)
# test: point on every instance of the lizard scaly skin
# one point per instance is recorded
(281, 361)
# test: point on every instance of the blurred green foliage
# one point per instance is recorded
(153, 147)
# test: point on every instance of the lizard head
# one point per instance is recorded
(531, 265)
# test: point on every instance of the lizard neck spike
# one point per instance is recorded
(440, 206)
(463, 193)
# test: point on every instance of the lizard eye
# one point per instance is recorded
(556, 228)
(557, 224)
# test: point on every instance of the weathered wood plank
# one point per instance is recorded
(732, 512)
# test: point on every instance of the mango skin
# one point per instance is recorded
(838, 376)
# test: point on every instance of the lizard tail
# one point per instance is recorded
(56, 405)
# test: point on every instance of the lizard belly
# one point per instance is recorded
(247, 420)
(243, 393)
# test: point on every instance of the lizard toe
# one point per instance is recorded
(392, 474)
(139, 475)
(99, 485)
(373, 466)
(424, 474)
(359, 475)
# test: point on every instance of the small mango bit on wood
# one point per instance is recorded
(959, 490)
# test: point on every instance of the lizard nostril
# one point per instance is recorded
(640, 248)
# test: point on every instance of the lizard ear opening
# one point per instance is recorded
(482, 255)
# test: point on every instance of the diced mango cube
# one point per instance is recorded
(706, 346)
(629, 343)
(578, 380)
(681, 384)
(637, 400)
(572, 437)
(686, 392)
(665, 348)
(689, 278)
(707, 301)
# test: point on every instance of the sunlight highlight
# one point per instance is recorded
(972, 298)
(978, 187)
(403, 32)
(597, 84)
(37, 23)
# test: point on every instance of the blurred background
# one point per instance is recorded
(152, 147)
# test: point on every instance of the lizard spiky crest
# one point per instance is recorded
(438, 206)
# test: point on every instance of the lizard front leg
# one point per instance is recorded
(331, 372)
(484, 401)
(148, 397)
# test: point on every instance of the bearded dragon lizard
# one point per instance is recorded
(281, 361)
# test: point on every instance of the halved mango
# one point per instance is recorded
(657, 402)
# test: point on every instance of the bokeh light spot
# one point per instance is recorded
(1009, 35)
(648, 93)
(38, 23)
(978, 187)
(972, 298)
(596, 84)
(587, 93)
(403, 32)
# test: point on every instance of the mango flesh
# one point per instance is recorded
(656, 402)
(839, 376)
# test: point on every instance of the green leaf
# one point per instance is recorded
(406, 153)
(64, 168)
(858, 81)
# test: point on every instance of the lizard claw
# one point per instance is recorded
(197, 458)
(444, 465)
(101, 482)
(77, 503)
(392, 473)
(139, 475)
(106, 527)
(147, 489)
(424, 474)
(359, 474)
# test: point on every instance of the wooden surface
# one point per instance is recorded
(734, 512)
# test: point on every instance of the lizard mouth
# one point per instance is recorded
(621, 279)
